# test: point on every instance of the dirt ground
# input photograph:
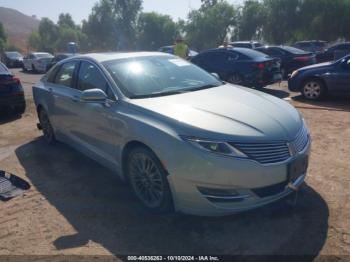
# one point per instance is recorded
(76, 206)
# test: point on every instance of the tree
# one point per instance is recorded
(66, 20)
(112, 24)
(208, 27)
(155, 30)
(49, 34)
(3, 37)
(251, 19)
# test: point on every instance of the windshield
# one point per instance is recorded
(44, 55)
(158, 76)
(13, 54)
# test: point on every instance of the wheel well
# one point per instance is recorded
(127, 148)
(314, 78)
(39, 108)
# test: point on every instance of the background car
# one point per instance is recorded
(12, 59)
(315, 82)
(11, 92)
(291, 58)
(58, 58)
(246, 44)
(334, 52)
(232, 148)
(170, 50)
(313, 46)
(240, 66)
(37, 62)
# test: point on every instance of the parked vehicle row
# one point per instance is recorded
(240, 66)
(291, 58)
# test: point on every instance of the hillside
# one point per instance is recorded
(18, 26)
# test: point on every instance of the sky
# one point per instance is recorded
(80, 9)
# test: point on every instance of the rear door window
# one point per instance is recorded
(65, 74)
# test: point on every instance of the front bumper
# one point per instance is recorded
(248, 178)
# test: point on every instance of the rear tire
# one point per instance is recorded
(34, 69)
(313, 89)
(24, 68)
(235, 79)
(148, 180)
(46, 126)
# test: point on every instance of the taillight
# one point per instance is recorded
(302, 58)
(260, 66)
(16, 80)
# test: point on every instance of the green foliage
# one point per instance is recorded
(54, 37)
(250, 21)
(209, 26)
(112, 24)
(3, 37)
(155, 30)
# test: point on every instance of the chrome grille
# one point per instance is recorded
(265, 153)
(275, 152)
(300, 141)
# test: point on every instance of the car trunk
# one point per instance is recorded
(269, 70)
(7, 83)
(304, 59)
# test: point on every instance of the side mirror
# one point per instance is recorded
(216, 75)
(93, 96)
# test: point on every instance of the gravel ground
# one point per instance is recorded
(76, 206)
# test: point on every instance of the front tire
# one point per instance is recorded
(313, 89)
(148, 180)
(46, 126)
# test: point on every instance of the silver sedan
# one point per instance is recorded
(180, 137)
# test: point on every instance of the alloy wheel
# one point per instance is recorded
(146, 179)
(312, 90)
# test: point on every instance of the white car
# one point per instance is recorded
(37, 62)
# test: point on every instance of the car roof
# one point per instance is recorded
(244, 42)
(103, 57)
(40, 53)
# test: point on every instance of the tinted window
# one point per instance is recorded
(249, 53)
(3, 69)
(293, 50)
(13, 54)
(243, 45)
(50, 76)
(90, 77)
(65, 74)
(158, 75)
(43, 55)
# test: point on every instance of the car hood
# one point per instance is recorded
(317, 66)
(226, 112)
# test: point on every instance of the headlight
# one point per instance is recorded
(294, 73)
(217, 147)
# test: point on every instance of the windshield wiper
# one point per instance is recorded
(174, 92)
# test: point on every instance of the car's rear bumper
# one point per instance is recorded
(12, 100)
